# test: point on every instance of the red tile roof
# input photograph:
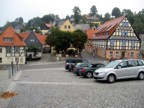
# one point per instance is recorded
(90, 33)
(41, 38)
(10, 33)
(109, 27)
(24, 35)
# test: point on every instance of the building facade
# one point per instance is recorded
(67, 26)
(88, 45)
(35, 44)
(12, 47)
(116, 39)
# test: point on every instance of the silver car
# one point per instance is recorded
(121, 69)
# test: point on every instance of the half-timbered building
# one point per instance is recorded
(116, 39)
(12, 47)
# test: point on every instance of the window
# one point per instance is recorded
(123, 64)
(8, 39)
(140, 63)
(131, 63)
(111, 42)
(132, 44)
(123, 43)
(117, 54)
(65, 27)
(132, 54)
(16, 50)
(0, 60)
(0, 50)
(111, 54)
(8, 49)
(69, 27)
(32, 40)
(124, 33)
(125, 24)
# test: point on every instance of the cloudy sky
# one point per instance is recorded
(28, 9)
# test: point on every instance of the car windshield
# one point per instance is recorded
(112, 64)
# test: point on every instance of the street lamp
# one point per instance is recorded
(12, 59)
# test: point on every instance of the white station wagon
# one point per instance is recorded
(120, 69)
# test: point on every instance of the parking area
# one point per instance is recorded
(57, 88)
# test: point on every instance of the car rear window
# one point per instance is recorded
(140, 63)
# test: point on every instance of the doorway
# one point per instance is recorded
(123, 54)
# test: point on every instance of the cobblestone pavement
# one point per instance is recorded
(56, 88)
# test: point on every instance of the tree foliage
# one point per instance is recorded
(17, 23)
(107, 17)
(93, 10)
(139, 21)
(77, 14)
(59, 39)
(48, 18)
(62, 40)
(79, 39)
(129, 14)
(116, 12)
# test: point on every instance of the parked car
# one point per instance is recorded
(88, 71)
(71, 62)
(79, 66)
(121, 69)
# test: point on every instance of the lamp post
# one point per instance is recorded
(12, 59)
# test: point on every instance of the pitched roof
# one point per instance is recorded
(10, 33)
(40, 37)
(24, 35)
(83, 27)
(109, 27)
(90, 33)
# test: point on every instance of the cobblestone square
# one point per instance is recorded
(56, 88)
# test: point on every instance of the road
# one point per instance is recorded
(41, 66)
(50, 86)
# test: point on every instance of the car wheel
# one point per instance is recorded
(89, 74)
(111, 79)
(141, 76)
(77, 74)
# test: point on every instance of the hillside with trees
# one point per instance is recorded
(37, 23)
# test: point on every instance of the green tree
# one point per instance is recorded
(139, 21)
(79, 39)
(59, 39)
(49, 18)
(35, 23)
(93, 11)
(19, 21)
(138, 25)
(107, 17)
(67, 17)
(77, 14)
(116, 12)
(129, 14)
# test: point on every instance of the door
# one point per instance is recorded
(123, 70)
(123, 54)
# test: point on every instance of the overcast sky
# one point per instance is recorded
(28, 9)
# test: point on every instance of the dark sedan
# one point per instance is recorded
(88, 72)
(71, 62)
(79, 66)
